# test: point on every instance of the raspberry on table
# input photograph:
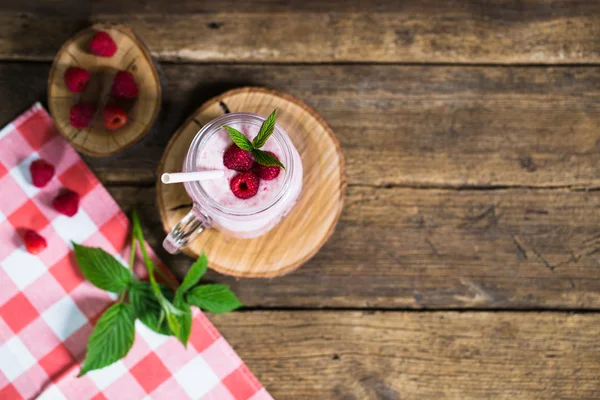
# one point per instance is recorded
(67, 203)
(34, 242)
(41, 173)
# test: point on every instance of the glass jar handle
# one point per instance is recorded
(185, 231)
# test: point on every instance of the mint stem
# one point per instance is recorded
(133, 248)
(169, 281)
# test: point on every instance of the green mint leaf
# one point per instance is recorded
(196, 271)
(185, 319)
(266, 130)
(147, 307)
(266, 159)
(215, 298)
(174, 324)
(102, 269)
(238, 138)
(111, 338)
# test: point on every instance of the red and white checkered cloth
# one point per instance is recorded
(47, 309)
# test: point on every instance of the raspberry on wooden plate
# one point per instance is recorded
(81, 115)
(114, 117)
(124, 86)
(76, 79)
(102, 45)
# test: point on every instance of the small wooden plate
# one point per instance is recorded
(312, 220)
(131, 55)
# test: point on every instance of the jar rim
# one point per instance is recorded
(206, 132)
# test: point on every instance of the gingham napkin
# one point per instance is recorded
(47, 309)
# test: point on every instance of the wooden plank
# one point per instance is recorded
(393, 355)
(455, 31)
(398, 125)
(417, 248)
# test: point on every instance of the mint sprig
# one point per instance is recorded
(266, 130)
(163, 307)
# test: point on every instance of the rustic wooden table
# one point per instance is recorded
(466, 263)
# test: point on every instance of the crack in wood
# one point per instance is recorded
(542, 259)
(432, 246)
(521, 252)
(224, 107)
(489, 214)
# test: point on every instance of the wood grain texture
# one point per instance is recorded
(507, 31)
(437, 126)
(311, 221)
(96, 140)
(417, 126)
(429, 248)
(392, 355)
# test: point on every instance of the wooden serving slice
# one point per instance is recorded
(133, 56)
(312, 220)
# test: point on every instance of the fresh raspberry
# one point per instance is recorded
(76, 79)
(267, 173)
(237, 159)
(41, 173)
(81, 115)
(114, 117)
(102, 45)
(34, 243)
(124, 86)
(66, 203)
(244, 185)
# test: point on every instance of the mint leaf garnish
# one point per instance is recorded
(238, 138)
(196, 271)
(215, 298)
(266, 159)
(111, 338)
(266, 130)
(146, 306)
(102, 269)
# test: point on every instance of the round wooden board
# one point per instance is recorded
(132, 56)
(312, 220)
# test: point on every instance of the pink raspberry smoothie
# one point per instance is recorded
(211, 158)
